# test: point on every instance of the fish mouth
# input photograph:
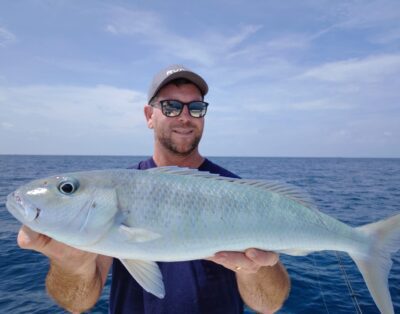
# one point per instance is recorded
(22, 209)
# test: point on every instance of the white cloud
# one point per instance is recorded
(127, 22)
(6, 125)
(289, 41)
(312, 104)
(320, 104)
(78, 65)
(6, 37)
(220, 44)
(151, 28)
(148, 26)
(368, 132)
(79, 108)
(369, 69)
(378, 18)
(365, 14)
(45, 119)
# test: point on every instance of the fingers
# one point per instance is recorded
(249, 262)
(29, 239)
(235, 261)
(263, 258)
(67, 258)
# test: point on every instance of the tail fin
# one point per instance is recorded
(375, 266)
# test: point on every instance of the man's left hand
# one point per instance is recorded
(249, 261)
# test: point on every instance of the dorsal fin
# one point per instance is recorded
(185, 171)
(283, 189)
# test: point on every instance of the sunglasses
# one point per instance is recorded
(173, 108)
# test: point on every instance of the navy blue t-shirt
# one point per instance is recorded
(194, 287)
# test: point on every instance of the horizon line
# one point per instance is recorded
(208, 156)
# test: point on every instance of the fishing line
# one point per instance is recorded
(319, 284)
(349, 287)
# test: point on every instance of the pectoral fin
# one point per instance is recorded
(147, 274)
(138, 234)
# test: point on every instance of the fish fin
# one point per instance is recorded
(138, 234)
(185, 171)
(284, 189)
(375, 265)
(147, 274)
(295, 252)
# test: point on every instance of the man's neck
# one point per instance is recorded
(193, 160)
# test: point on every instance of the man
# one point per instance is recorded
(175, 112)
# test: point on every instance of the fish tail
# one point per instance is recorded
(375, 266)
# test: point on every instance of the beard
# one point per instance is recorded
(181, 149)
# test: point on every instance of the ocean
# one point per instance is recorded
(355, 191)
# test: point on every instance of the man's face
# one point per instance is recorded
(179, 135)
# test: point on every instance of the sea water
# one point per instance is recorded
(355, 191)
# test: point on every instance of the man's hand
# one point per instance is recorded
(248, 262)
(262, 280)
(76, 278)
(61, 255)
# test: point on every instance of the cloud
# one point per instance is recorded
(369, 69)
(45, 119)
(320, 104)
(6, 37)
(289, 41)
(151, 28)
(83, 109)
(379, 18)
(221, 44)
(128, 22)
(6, 125)
(77, 65)
(312, 104)
(371, 130)
(361, 14)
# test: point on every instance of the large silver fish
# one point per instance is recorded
(177, 214)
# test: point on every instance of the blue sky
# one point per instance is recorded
(287, 78)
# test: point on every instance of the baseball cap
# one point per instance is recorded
(174, 72)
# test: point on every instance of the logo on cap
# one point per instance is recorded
(169, 72)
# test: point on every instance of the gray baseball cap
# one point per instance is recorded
(174, 72)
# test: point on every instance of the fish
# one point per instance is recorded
(178, 214)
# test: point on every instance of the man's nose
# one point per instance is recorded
(185, 115)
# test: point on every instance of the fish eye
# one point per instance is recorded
(68, 186)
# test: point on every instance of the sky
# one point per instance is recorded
(287, 78)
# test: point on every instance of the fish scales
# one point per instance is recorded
(205, 214)
(185, 213)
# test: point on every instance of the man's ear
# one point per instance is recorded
(148, 113)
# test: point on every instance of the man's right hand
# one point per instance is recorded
(62, 255)
(76, 277)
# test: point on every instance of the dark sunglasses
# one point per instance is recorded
(173, 108)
